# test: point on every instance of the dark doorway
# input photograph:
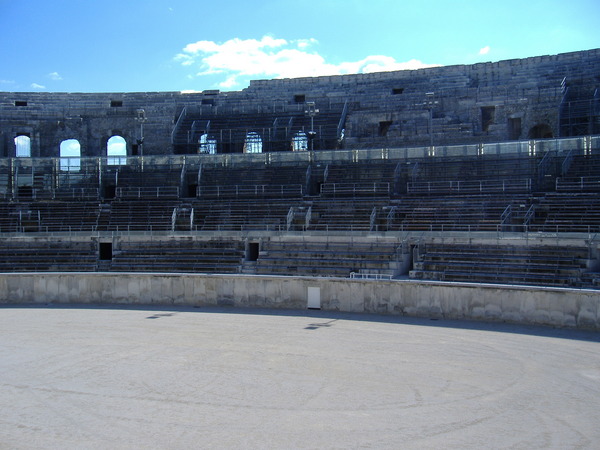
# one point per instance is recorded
(488, 115)
(110, 192)
(252, 251)
(105, 251)
(319, 186)
(192, 188)
(25, 192)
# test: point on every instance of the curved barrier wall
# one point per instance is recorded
(577, 308)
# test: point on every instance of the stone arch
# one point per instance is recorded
(23, 146)
(116, 151)
(300, 142)
(70, 155)
(540, 131)
(253, 143)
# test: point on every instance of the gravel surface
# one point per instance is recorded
(77, 378)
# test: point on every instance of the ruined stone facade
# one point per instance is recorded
(532, 98)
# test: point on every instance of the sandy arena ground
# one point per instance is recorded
(83, 378)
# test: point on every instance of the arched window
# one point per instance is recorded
(23, 146)
(70, 155)
(116, 151)
(208, 145)
(253, 143)
(300, 142)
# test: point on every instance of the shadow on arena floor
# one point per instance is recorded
(323, 319)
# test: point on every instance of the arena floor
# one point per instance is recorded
(227, 378)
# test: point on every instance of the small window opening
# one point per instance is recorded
(20, 103)
(300, 142)
(514, 128)
(384, 127)
(208, 101)
(105, 251)
(488, 114)
(397, 91)
(116, 103)
(299, 98)
(208, 146)
(253, 143)
(252, 251)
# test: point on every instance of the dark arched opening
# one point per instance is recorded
(541, 131)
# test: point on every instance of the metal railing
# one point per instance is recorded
(132, 192)
(370, 276)
(342, 120)
(543, 166)
(469, 187)
(290, 218)
(566, 165)
(253, 190)
(578, 184)
(177, 126)
(506, 216)
(373, 218)
(525, 233)
(308, 218)
(530, 214)
(174, 219)
(355, 189)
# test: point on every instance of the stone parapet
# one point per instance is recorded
(576, 308)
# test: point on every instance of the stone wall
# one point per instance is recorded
(486, 102)
(520, 304)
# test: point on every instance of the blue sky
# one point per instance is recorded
(192, 45)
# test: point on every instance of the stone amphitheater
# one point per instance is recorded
(468, 192)
(394, 260)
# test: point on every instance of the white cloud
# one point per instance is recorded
(238, 59)
(305, 43)
(37, 86)
(7, 82)
(229, 83)
(54, 76)
(485, 50)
